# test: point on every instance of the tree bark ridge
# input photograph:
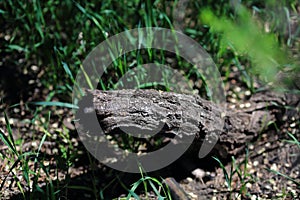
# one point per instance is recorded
(147, 112)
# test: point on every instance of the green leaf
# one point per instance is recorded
(67, 70)
(17, 47)
(9, 141)
(55, 103)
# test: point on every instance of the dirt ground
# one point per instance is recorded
(255, 174)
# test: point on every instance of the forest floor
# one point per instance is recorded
(264, 171)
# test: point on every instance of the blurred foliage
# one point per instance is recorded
(245, 37)
(245, 34)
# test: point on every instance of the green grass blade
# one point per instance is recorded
(68, 71)
(9, 141)
(41, 144)
(154, 188)
(55, 103)
(133, 188)
(17, 48)
(88, 80)
(295, 141)
(10, 170)
(285, 176)
(224, 171)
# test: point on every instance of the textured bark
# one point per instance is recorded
(150, 111)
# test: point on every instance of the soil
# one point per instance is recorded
(270, 151)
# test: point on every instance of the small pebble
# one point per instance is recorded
(248, 105)
(34, 144)
(30, 82)
(255, 163)
(287, 165)
(272, 181)
(55, 125)
(260, 175)
(237, 89)
(46, 163)
(261, 150)
(34, 68)
(55, 151)
(249, 164)
(232, 100)
(268, 187)
(189, 179)
(248, 185)
(247, 93)
(254, 197)
(7, 37)
(198, 173)
(18, 148)
(192, 195)
(292, 125)
(279, 194)
(223, 115)
(274, 167)
(237, 196)
(232, 106)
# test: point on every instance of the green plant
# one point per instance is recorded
(145, 180)
(19, 162)
(245, 37)
(241, 170)
(295, 141)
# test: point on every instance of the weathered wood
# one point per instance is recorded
(149, 111)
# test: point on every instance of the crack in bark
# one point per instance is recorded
(150, 111)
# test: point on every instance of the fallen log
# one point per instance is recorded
(145, 113)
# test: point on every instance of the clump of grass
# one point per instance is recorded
(295, 141)
(147, 181)
(18, 161)
(239, 169)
